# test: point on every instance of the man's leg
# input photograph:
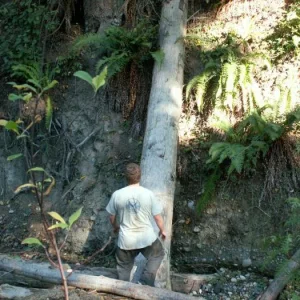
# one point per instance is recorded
(125, 260)
(154, 254)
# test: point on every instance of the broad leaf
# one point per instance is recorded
(3, 122)
(27, 97)
(25, 87)
(57, 216)
(58, 225)
(32, 241)
(48, 180)
(14, 97)
(75, 216)
(11, 125)
(36, 169)
(50, 85)
(14, 156)
(26, 185)
(99, 80)
(84, 76)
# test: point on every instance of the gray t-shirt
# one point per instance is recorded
(135, 206)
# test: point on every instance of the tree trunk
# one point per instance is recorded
(44, 273)
(282, 279)
(160, 143)
(182, 283)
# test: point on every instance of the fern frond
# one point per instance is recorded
(237, 157)
(209, 189)
(287, 244)
(115, 63)
(32, 71)
(199, 85)
(86, 41)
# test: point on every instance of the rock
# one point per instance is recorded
(247, 262)
(11, 211)
(12, 292)
(191, 204)
(196, 229)
(187, 249)
(234, 280)
(242, 277)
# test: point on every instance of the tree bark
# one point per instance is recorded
(282, 279)
(44, 273)
(159, 154)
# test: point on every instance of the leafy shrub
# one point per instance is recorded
(286, 37)
(118, 46)
(227, 80)
(250, 140)
(38, 82)
(21, 31)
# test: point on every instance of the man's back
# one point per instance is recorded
(135, 206)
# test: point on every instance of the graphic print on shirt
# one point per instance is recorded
(133, 205)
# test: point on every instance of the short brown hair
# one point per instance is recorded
(133, 173)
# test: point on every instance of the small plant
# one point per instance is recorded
(245, 144)
(119, 46)
(286, 37)
(22, 24)
(33, 92)
(52, 239)
(95, 82)
(227, 81)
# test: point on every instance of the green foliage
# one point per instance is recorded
(249, 140)
(61, 221)
(39, 81)
(40, 78)
(209, 190)
(227, 80)
(96, 82)
(118, 46)
(286, 37)
(285, 245)
(20, 26)
(32, 241)
(14, 156)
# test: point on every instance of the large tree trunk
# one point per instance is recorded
(43, 272)
(282, 278)
(160, 143)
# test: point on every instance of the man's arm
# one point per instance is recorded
(160, 224)
(113, 221)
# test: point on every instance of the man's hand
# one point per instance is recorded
(160, 224)
(116, 229)
(163, 234)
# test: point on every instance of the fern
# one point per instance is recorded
(209, 189)
(31, 72)
(235, 153)
(118, 46)
(115, 63)
(234, 72)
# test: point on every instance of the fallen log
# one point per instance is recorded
(283, 277)
(43, 272)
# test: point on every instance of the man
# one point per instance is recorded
(135, 207)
